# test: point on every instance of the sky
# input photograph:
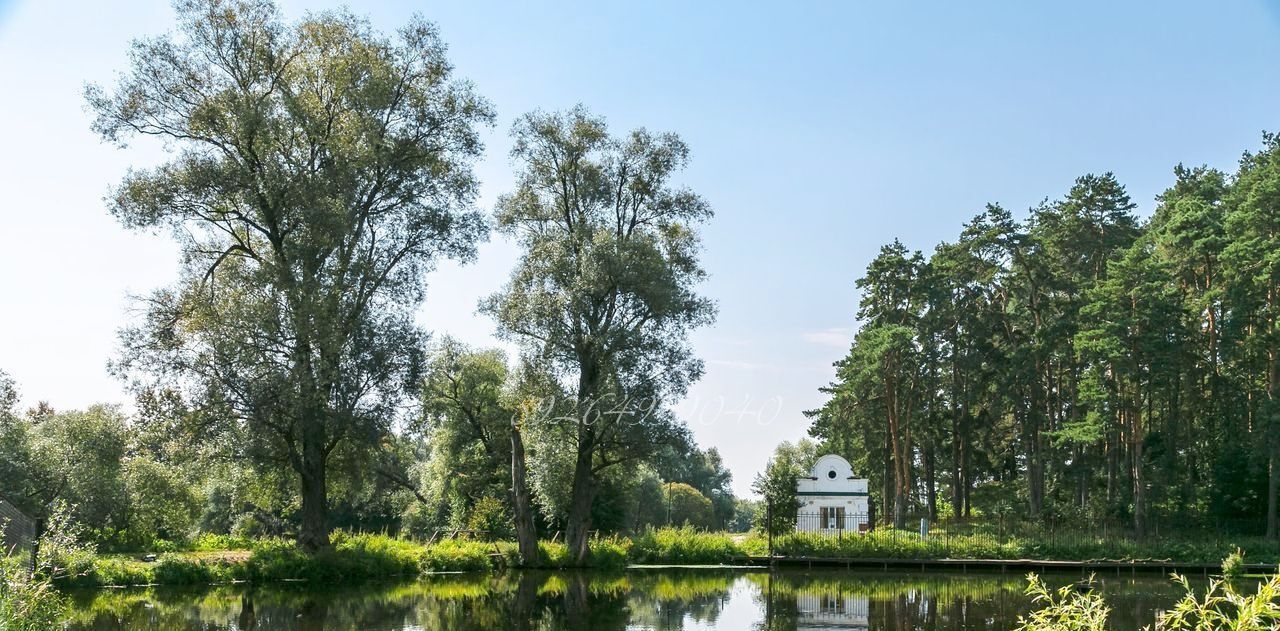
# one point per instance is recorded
(819, 131)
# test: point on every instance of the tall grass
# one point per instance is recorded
(352, 558)
(27, 602)
(683, 545)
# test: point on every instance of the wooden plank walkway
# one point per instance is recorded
(1002, 565)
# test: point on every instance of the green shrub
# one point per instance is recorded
(609, 554)
(490, 519)
(275, 560)
(115, 571)
(363, 556)
(553, 554)
(172, 569)
(456, 555)
(1233, 565)
(208, 542)
(1221, 607)
(1067, 609)
(683, 545)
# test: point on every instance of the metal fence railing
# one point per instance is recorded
(994, 536)
(833, 521)
(19, 533)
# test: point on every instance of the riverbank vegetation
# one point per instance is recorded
(356, 557)
(1222, 605)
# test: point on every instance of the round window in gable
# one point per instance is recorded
(831, 474)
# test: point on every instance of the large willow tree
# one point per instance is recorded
(318, 170)
(603, 295)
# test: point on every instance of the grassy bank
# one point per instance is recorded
(353, 558)
(356, 557)
(886, 543)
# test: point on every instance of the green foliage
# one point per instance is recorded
(63, 551)
(686, 506)
(490, 519)
(206, 541)
(173, 569)
(609, 553)
(1221, 607)
(112, 570)
(682, 545)
(456, 555)
(164, 506)
(1067, 609)
(886, 543)
(27, 603)
(1233, 565)
(777, 484)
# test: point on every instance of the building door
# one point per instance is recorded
(831, 517)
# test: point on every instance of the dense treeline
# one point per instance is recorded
(135, 481)
(1080, 365)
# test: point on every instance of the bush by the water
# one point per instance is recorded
(1233, 565)
(27, 602)
(683, 545)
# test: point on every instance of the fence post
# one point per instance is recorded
(35, 545)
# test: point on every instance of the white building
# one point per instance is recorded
(831, 498)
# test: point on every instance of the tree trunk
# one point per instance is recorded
(578, 528)
(522, 505)
(1269, 435)
(582, 494)
(314, 532)
(899, 506)
(886, 491)
(931, 484)
(957, 474)
(1139, 492)
(1273, 487)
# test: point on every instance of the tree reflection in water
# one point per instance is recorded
(657, 599)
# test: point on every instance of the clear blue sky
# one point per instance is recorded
(819, 132)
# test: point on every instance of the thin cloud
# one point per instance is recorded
(836, 337)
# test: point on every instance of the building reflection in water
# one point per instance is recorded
(841, 610)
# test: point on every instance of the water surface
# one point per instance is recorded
(641, 599)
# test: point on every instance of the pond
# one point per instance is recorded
(657, 598)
